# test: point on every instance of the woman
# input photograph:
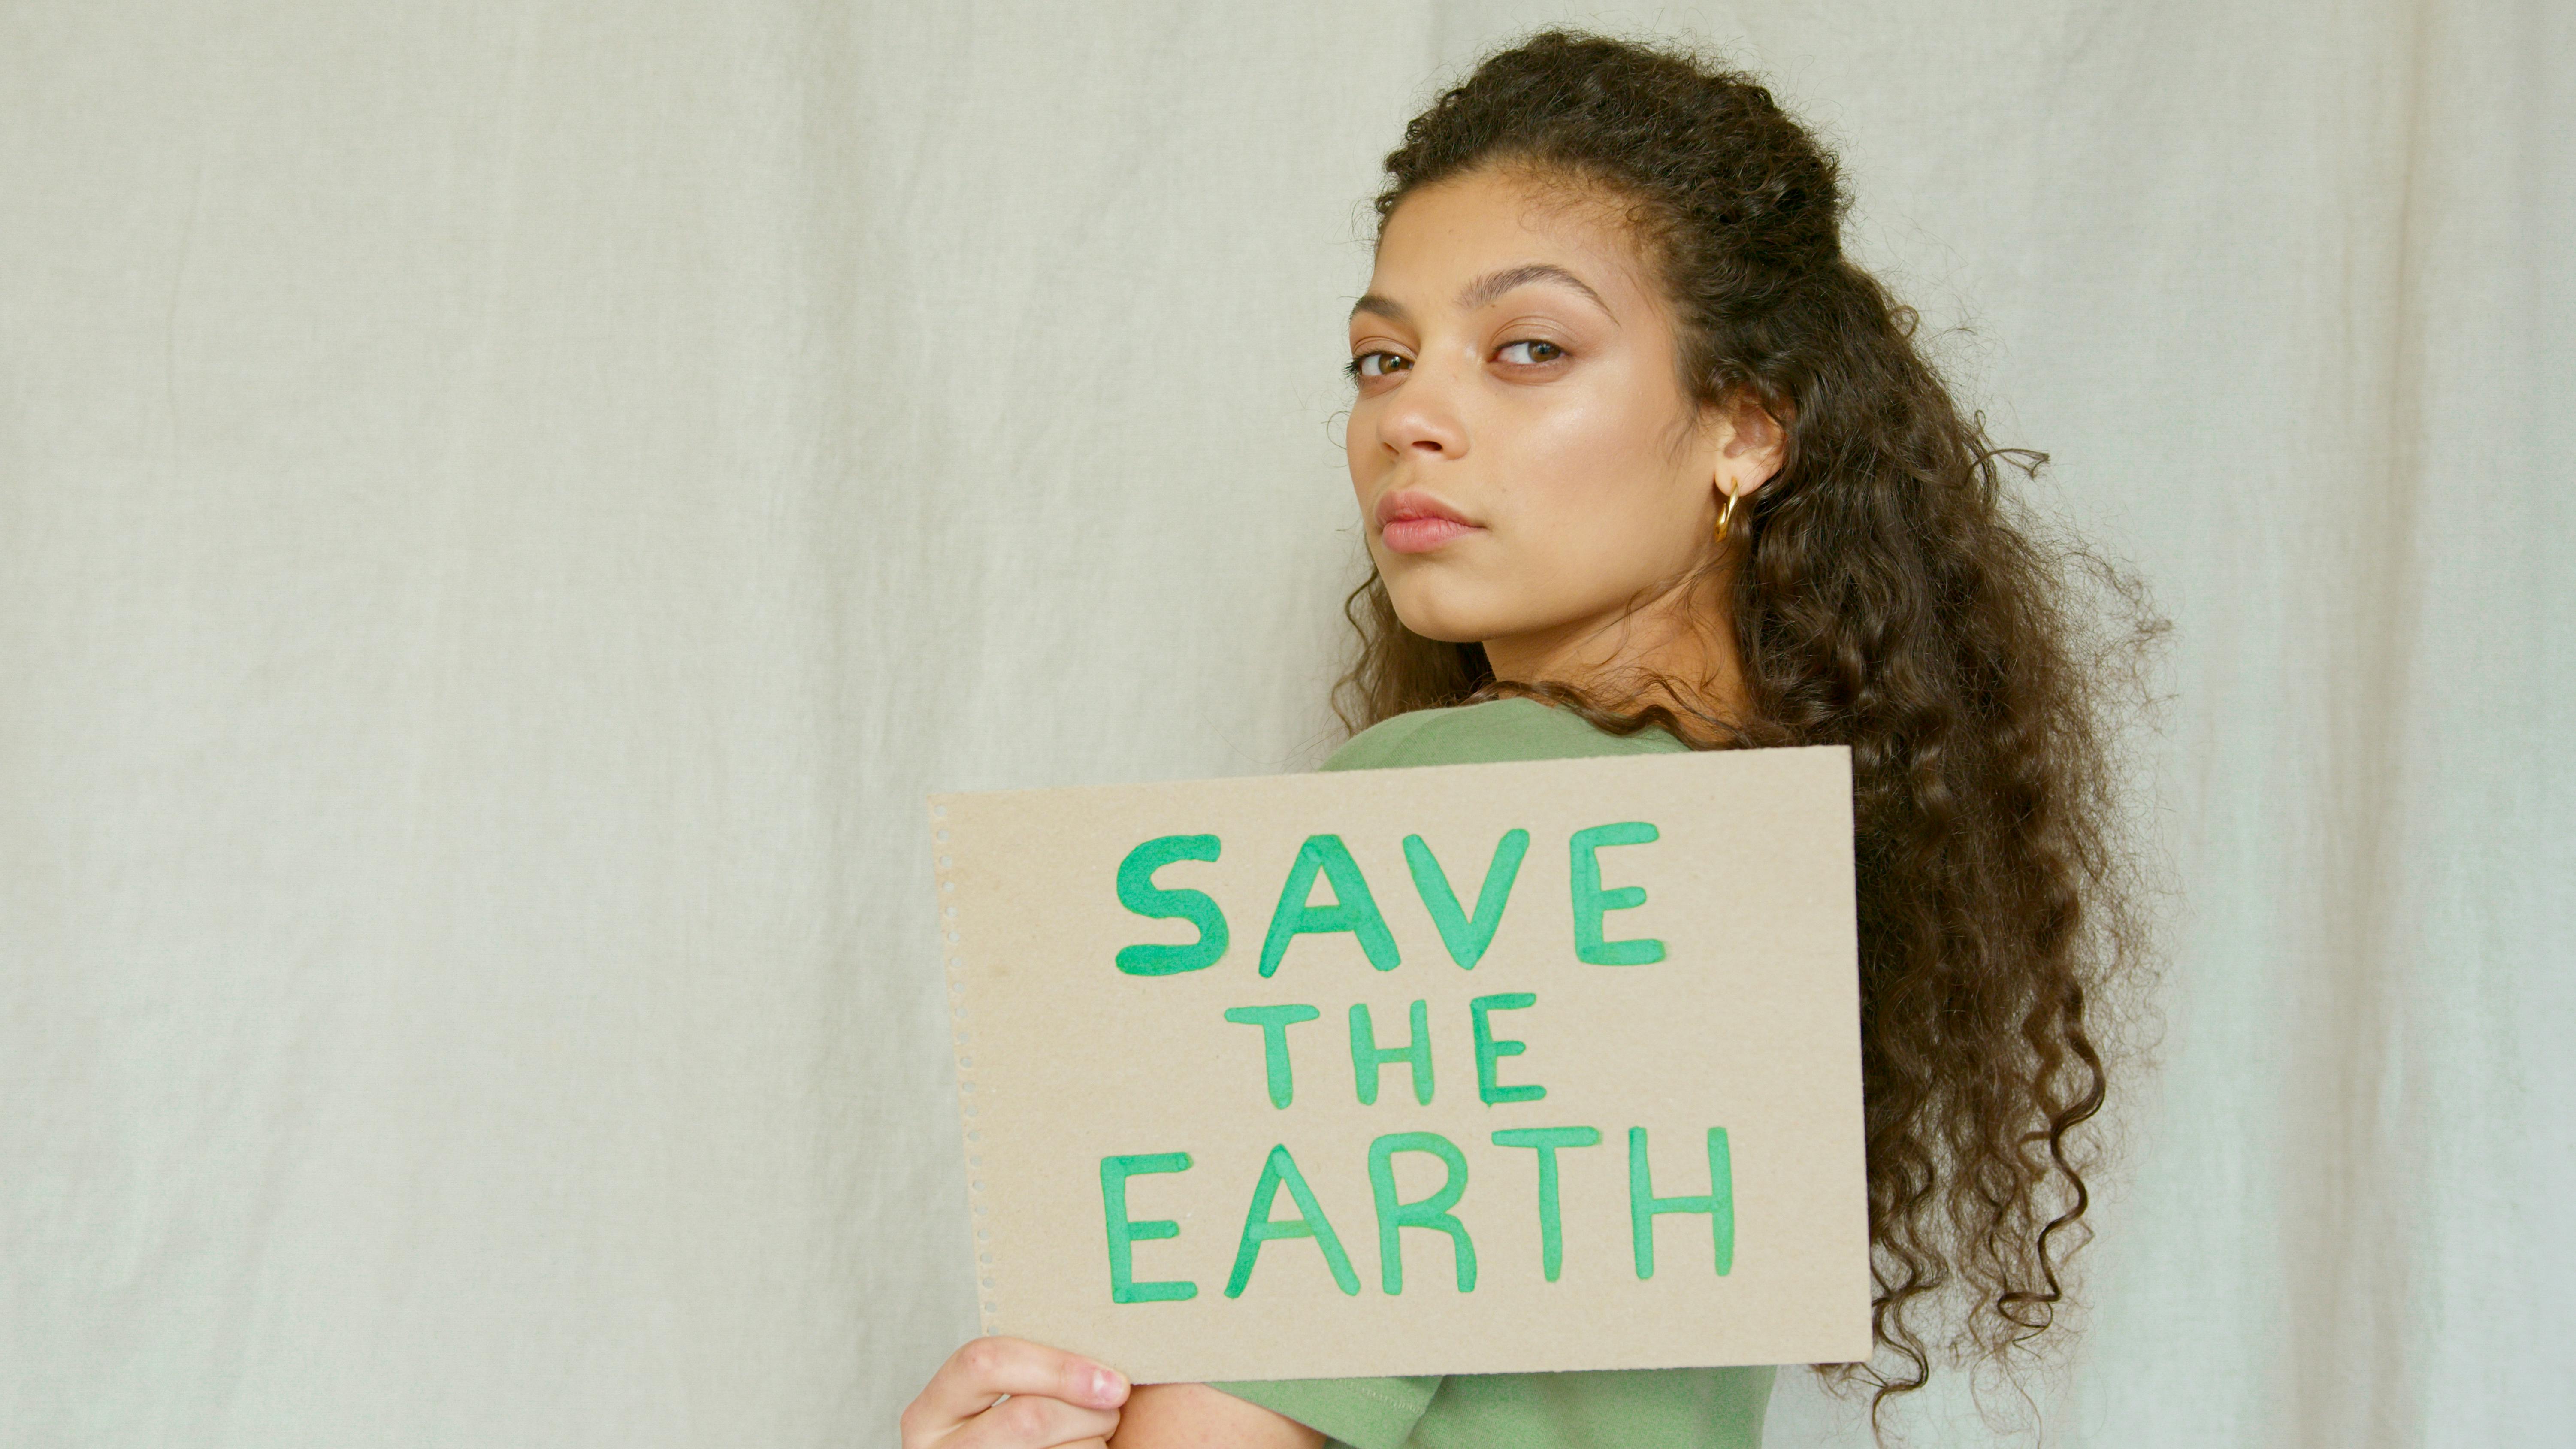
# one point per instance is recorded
(1646, 464)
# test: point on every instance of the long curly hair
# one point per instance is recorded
(1889, 595)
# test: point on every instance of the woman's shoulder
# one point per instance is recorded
(1490, 733)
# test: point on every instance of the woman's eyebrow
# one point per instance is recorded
(1494, 284)
(1484, 290)
(1386, 307)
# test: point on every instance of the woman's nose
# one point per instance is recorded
(1423, 420)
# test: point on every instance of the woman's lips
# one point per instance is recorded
(1420, 532)
(1416, 522)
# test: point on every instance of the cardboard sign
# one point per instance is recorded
(1462, 1069)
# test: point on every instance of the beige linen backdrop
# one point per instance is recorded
(505, 509)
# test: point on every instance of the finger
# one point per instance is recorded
(1033, 1421)
(987, 1368)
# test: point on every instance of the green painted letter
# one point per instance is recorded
(1432, 1212)
(1367, 1057)
(1274, 1022)
(1123, 1287)
(1310, 1223)
(1138, 893)
(1488, 1050)
(1551, 1227)
(1353, 909)
(1466, 938)
(1590, 900)
(1718, 1202)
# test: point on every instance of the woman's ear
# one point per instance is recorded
(1751, 444)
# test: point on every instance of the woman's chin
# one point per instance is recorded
(1442, 620)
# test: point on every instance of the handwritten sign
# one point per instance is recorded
(1464, 1069)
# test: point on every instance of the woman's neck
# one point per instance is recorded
(1676, 647)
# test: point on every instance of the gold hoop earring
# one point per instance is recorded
(1726, 518)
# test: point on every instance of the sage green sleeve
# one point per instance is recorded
(1363, 1413)
(1488, 734)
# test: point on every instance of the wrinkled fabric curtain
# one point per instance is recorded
(505, 509)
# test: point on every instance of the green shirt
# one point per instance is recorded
(1717, 1408)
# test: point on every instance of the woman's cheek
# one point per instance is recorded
(1359, 446)
(1576, 556)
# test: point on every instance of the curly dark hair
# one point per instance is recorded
(1890, 596)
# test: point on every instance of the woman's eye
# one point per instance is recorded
(1530, 351)
(1377, 364)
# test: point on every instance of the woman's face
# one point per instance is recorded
(1527, 462)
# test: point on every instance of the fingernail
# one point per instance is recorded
(1106, 1386)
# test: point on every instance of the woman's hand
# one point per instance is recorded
(1055, 1400)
